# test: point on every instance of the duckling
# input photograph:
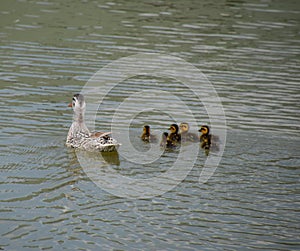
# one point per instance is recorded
(147, 136)
(205, 138)
(187, 136)
(174, 137)
(208, 141)
(163, 142)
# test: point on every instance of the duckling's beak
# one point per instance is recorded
(70, 105)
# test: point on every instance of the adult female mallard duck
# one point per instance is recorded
(174, 137)
(79, 135)
(187, 136)
(147, 136)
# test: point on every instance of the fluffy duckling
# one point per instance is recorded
(187, 136)
(205, 138)
(147, 136)
(163, 142)
(208, 141)
(174, 137)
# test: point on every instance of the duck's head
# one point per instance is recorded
(164, 138)
(184, 127)
(78, 103)
(164, 135)
(204, 130)
(174, 128)
(146, 129)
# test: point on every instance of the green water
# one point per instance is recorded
(249, 51)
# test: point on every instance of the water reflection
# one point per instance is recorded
(111, 158)
(101, 158)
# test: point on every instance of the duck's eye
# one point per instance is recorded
(183, 126)
(204, 130)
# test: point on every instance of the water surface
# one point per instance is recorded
(249, 51)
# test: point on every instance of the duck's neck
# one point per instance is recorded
(78, 117)
(78, 121)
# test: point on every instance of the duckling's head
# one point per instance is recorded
(164, 138)
(204, 130)
(174, 128)
(146, 129)
(78, 103)
(184, 127)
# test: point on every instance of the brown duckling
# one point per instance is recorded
(174, 137)
(187, 136)
(209, 141)
(163, 142)
(146, 135)
(205, 138)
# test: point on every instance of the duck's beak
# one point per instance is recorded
(70, 105)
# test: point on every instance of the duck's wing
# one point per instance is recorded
(99, 134)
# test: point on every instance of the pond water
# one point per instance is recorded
(248, 50)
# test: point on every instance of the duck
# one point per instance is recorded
(205, 138)
(208, 141)
(147, 136)
(163, 142)
(174, 138)
(187, 136)
(79, 135)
